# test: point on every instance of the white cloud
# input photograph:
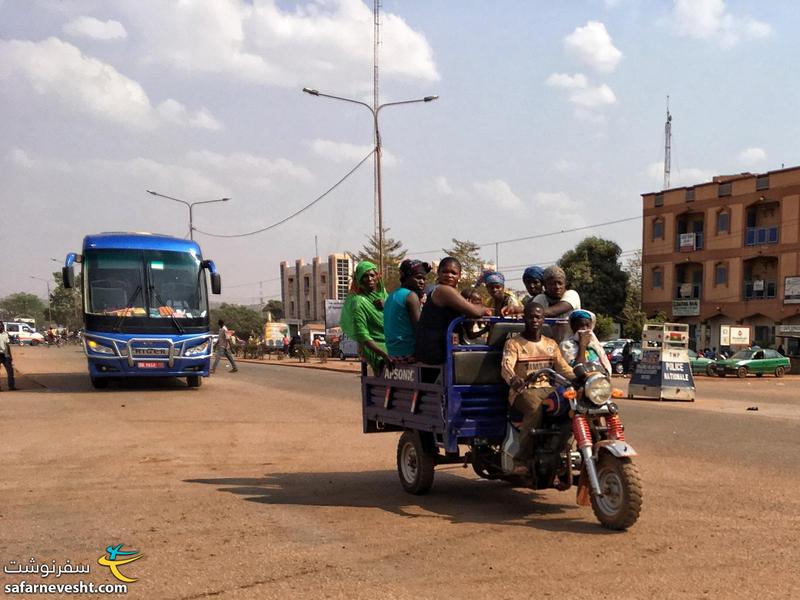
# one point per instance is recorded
(240, 164)
(710, 20)
(442, 186)
(319, 42)
(678, 177)
(591, 45)
(560, 207)
(176, 113)
(499, 193)
(567, 82)
(343, 152)
(564, 166)
(92, 28)
(583, 96)
(21, 159)
(752, 157)
(84, 84)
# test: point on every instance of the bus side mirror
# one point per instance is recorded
(68, 277)
(216, 283)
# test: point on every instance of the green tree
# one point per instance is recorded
(393, 255)
(633, 318)
(23, 304)
(604, 327)
(275, 307)
(66, 303)
(594, 270)
(241, 319)
(468, 255)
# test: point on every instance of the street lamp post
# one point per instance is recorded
(378, 188)
(49, 304)
(191, 205)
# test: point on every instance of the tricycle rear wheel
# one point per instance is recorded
(415, 463)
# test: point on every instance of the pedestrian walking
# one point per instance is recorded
(5, 356)
(627, 358)
(224, 348)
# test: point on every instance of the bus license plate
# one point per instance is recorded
(149, 365)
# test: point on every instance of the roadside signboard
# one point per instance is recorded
(734, 335)
(791, 290)
(333, 313)
(664, 372)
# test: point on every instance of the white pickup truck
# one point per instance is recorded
(22, 333)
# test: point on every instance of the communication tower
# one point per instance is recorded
(667, 147)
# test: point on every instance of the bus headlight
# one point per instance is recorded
(99, 348)
(597, 389)
(199, 349)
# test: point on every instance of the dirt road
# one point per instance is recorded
(260, 484)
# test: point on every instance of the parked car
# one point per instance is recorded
(756, 360)
(345, 348)
(701, 364)
(613, 350)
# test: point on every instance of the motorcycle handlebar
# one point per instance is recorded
(552, 375)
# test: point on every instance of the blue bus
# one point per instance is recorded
(145, 306)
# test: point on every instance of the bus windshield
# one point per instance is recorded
(144, 283)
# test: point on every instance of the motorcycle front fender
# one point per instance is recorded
(615, 448)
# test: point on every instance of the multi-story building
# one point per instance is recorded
(305, 287)
(726, 252)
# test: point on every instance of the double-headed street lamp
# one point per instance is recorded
(191, 205)
(49, 306)
(378, 191)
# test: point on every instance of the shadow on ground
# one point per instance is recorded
(457, 499)
(77, 383)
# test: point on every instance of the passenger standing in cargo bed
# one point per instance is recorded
(444, 304)
(362, 315)
(403, 307)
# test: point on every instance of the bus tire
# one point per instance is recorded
(99, 383)
(194, 381)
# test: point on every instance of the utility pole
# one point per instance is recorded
(667, 147)
(376, 214)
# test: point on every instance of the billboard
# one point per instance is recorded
(791, 290)
(734, 335)
(333, 313)
(689, 307)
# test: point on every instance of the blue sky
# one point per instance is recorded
(550, 117)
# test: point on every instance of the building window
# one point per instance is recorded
(724, 189)
(658, 229)
(721, 274)
(306, 285)
(308, 308)
(762, 183)
(658, 277)
(690, 195)
(723, 221)
(659, 200)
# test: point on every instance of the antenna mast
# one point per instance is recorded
(376, 102)
(667, 147)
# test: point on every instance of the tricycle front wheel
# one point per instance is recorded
(415, 463)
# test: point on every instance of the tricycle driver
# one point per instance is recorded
(524, 354)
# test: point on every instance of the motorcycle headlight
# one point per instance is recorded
(99, 348)
(199, 349)
(597, 389)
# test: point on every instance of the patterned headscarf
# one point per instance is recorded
(411, 267)
(533, 272)
(493, 277)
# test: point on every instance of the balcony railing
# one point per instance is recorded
(755, 236)
(760, 289)
(696, 288)
(698, 242)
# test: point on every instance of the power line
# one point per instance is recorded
(294, 214)
(540, 235)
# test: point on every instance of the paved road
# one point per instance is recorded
(261, 485)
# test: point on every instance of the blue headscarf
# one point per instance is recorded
(581, 314)
(533, 273)
(493, 277)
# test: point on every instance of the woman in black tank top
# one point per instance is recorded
(443, 305)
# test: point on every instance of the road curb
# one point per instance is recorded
(318, 366)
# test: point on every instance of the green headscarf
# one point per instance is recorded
(362, 320)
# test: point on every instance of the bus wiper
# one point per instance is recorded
(171, 313)
(124, 313)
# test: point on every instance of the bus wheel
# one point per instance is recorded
(194, 380)
(99, 383)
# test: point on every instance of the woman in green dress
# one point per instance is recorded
(362, 315)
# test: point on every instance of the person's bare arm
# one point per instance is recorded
(413, 307)
(558, 309)
(449, 297)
